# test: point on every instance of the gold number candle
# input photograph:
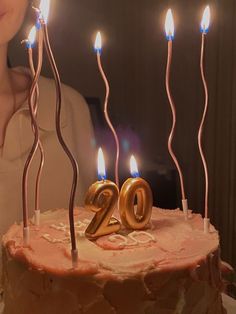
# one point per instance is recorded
(136, 187)
(102, 198)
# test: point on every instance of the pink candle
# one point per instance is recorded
(30, 44)
(98, 49)
(204, 30)
(31, 102)
(169, 29)
(43, 12)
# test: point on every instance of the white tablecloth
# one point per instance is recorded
(229, 303)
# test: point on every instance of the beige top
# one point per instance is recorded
(57, 174)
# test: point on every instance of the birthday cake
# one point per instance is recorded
(170, 267)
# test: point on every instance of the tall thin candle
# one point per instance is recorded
(204, 30)
(169, 28)
(98, 49)
(32, 110)
(30, 43)
(43, 17)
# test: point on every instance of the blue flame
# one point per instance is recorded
(135, 174)
(29, 45)
(170, 37)
(102, 176)
(204, 30)
(38, 24)
(98, 50)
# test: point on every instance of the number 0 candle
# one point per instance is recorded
(101, 199)
(136, 187)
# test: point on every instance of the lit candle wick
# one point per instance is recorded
(205, 23)
(98, 43)
(134, 168)
(169, 25)
(44, 9)
(101, 166)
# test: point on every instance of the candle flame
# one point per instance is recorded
(98, 42)
(169, 25)
(44, 9)
(101, 165)
(32, 36)
(133, 167)
(206, 20)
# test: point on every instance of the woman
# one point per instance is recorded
(16, 136)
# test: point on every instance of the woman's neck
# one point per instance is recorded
(5, 82)
(14, 88)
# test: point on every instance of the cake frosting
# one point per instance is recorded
(170, 267)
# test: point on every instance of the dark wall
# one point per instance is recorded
(134, 58)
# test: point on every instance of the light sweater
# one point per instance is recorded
(56, 179)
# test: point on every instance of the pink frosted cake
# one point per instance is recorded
(172, 267)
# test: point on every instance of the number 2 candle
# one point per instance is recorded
(101, 199)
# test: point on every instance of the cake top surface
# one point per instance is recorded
(168, 243)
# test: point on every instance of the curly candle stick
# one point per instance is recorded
(30, 43)
(169, 28)
(98, 49)
(31, 101)
(44, 10)
(204, 29)
(37, 192)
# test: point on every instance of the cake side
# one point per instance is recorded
(173, 269)
(169, 242)
(156, 292)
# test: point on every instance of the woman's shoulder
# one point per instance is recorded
(22, 77)
(73, 103)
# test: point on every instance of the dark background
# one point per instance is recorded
(134, 58)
